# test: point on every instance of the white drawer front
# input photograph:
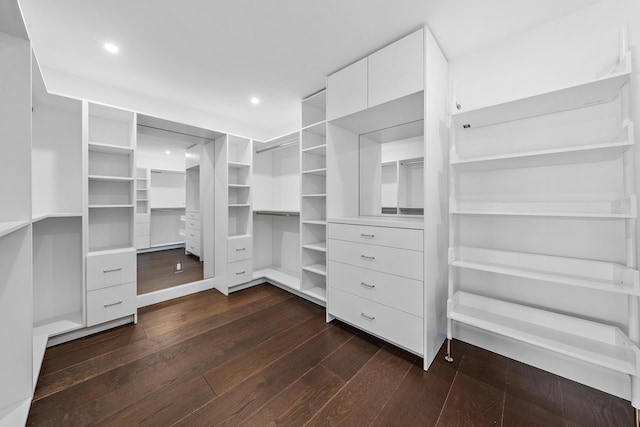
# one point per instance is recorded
(193, 246)
(193, 224)
(192, 235)
(111, 303)
(239, 272)
(400, 262)
(403, 238)
(143, 228)
(239, 249)
(111, 269)
(193, 215)
(396, 292)
(392, 325)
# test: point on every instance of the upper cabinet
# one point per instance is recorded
(396, 70)
(388, 74)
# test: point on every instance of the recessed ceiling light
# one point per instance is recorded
(111, 48)
(255, 100)
(167, 152)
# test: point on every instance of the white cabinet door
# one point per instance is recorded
(397, 70)
(347, 90)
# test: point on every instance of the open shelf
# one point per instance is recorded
(111, 249)
(281, 275)
(317, 246)
(320, 171)
(315, 195)
(593, 92)
(43, 216)
(238, 165)
(7, 227)
(317, 292)
(110, 178)
(619, 209)
(239, 205)
(239, 186)
(109, 148)
(319, 268)
(276, 212)
(318, 150)
(315, 222)
(592, 342)
(58, 325)
(604, 276)
(318, 128)
(109, 206)
(238, 236)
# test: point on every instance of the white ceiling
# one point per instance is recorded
(213, 55)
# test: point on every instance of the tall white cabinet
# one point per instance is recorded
(109, 140)
(543, 231)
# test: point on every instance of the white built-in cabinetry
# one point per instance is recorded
(143, 209)
(193, 230)
(109, 139)
(543, 236)
(233, 217)
(16, 298)
(313, 210)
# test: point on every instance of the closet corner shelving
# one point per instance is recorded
(109, 139)
(581, 131)
(143, 208)
(276, 202)
(313, 207)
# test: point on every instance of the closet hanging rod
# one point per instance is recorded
(277, 213)
(284, 144)
(175, 131)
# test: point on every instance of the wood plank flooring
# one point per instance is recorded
(264, 357)
(156, 270)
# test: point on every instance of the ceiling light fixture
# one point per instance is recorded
(255, 100)
(111, 48)
(167, 152)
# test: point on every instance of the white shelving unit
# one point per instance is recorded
(276, 211)
(505, 162)
(143, 208)
(233, 218)
(109, 141)
(313, 211)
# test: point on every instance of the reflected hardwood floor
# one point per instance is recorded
(262, 357)
(156, 270)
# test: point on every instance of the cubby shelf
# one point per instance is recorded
(599, 275)
(320, 171)
(7, 227)
(619, 209)
(584, 94)
(111, 178)
(43, 216)
(239, 205)
(109, 206)
(317, 292)
(239, 186)
(237, 165)
(315, 222)
(317, 246)
(319, 268)
(58, 325)
(238, 236)
(315, 195)
(318, 128)
(581, 339)
(280, 275)
(318, 150)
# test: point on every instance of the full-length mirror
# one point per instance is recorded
(392, 170)
(174, 204)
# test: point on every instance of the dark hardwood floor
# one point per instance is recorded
(264, 357)
(156, 270)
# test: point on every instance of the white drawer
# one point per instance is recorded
(193, 215)
(192, 246)
(193, 224)
(106, 270)
(403, 238)
(143, 228)
(396, 326)
(192, 235)
(396, 292)
(239, 249)
(111, 303)
(239, 272)
(400, 262)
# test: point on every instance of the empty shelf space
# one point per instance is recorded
(110, 178)
(317, 292)
(238, 236)
(43, 216)
(99, 147)
(619, 209)
(109, 206)
(58, 325)
(315, 195)
(276, 212)
(593, 92)
(239, 186)
(557, 156)
(315, 222)
(319, 268)
(280, 275)
(584, 340)
(106, 250)
(239, 205)
(605, 276)
(320, 171)
(238, 165)
(318, 128)
(319, 150)
(8, 227)
(317, 246)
